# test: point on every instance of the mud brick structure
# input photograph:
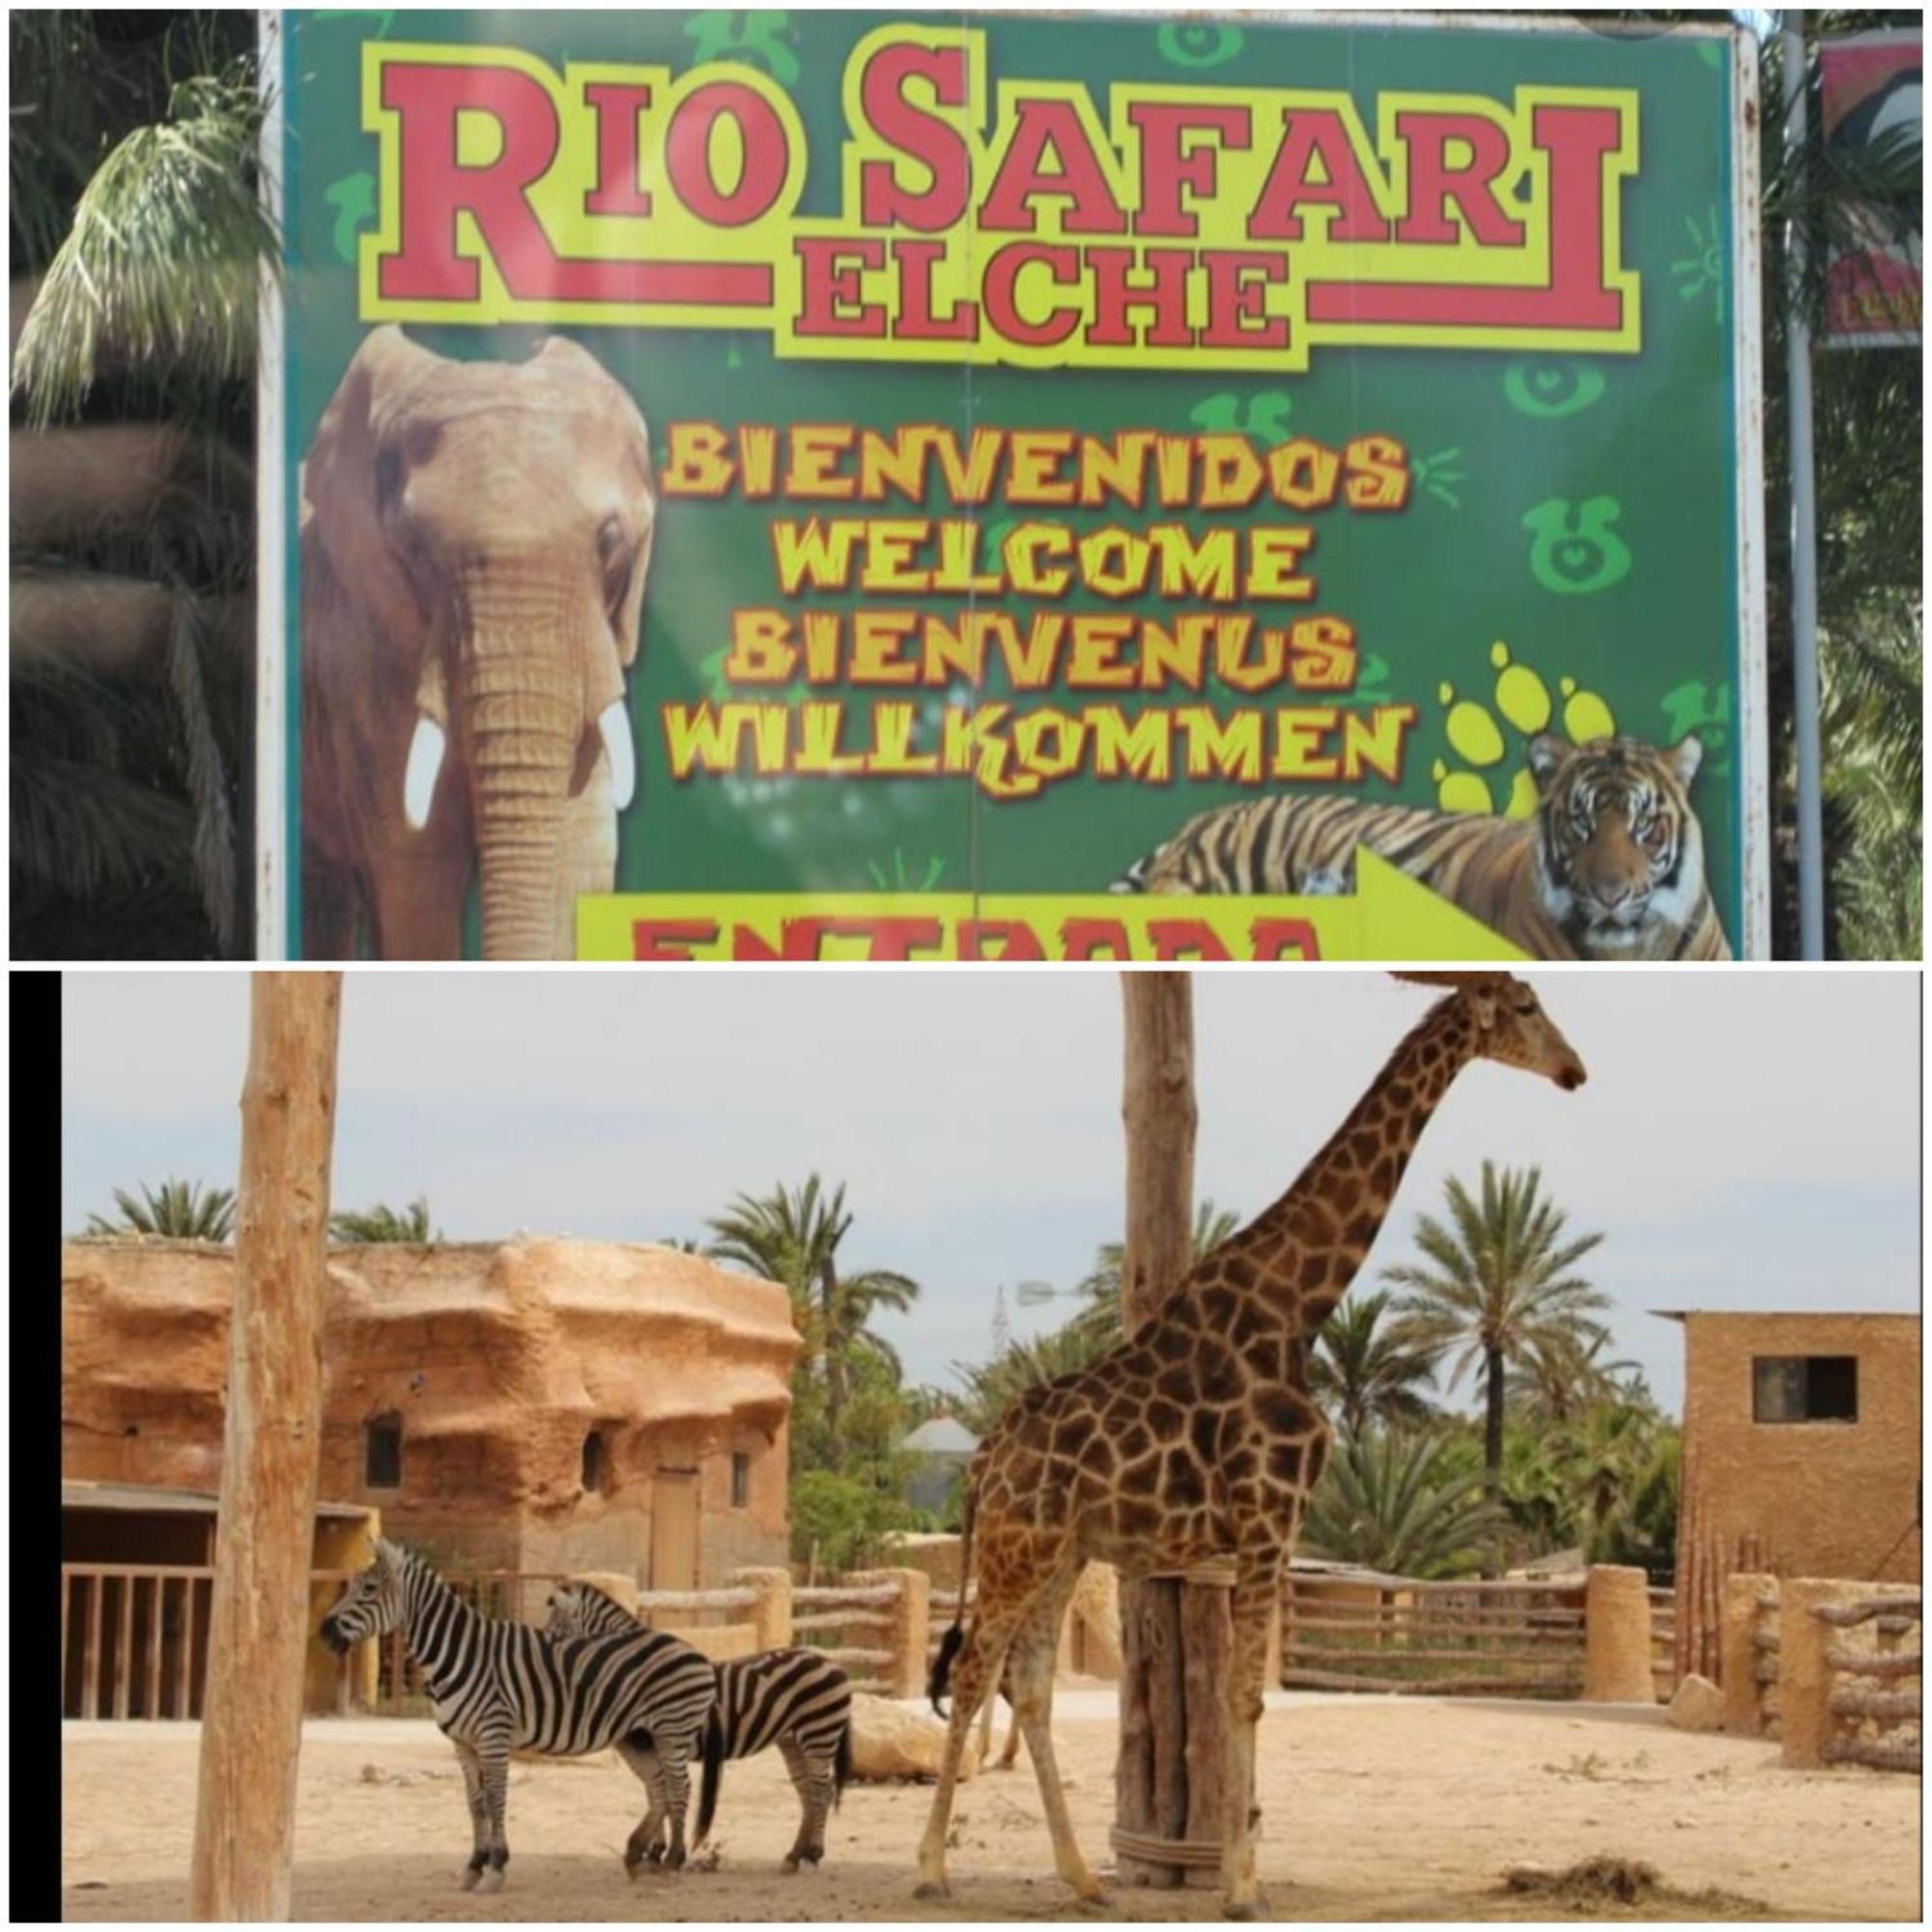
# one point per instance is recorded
(533, 1406)
(1800, 1457)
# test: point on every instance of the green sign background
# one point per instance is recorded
(1641, 607)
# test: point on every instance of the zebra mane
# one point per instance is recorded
(599, 1595)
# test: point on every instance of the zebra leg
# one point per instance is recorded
(811, 1775)
(675, 1755)
(647, 1842)
(479, 1827)
(494, 1753)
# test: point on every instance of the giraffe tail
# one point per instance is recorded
(949, 1644)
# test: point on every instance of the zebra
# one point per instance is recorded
(798, 1699)
(499, 1686)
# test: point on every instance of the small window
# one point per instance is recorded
(384, 1439)
(596, 1462)
(1804, 1388)
(741, 1480)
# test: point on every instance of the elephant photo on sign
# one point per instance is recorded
(474, 542)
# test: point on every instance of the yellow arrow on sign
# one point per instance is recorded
(1389, 917)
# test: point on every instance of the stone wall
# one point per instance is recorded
(497, 1361)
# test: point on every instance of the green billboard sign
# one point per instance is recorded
(805, 486)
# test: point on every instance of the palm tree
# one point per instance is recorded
(1642, 1527)
(1021, 1365)
(792, 1235)
(1499, 1288)
(1606, 1450)
(382, 1223)
(1100, 1318)
(183, 1210)
(1389, 1501)
(1365, 1372)
(1868, 467)
(137, 228)
(1563, 1374)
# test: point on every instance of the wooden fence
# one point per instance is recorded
(1663, 1643)
(855, 1624)
(1852, 1691)
(1399, 1634)
(1748, 1656)
(134, 1640)
(134, 1636)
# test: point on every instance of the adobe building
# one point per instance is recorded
(533, 1406)
(1800, 1457)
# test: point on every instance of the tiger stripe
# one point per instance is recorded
(1610, 866)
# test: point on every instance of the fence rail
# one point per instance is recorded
(134, 1636)
(1476, 1638)
(1845, 1690)
(871, 1614)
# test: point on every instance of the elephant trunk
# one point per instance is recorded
(523, 716)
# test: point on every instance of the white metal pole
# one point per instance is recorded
(270, 816)
(1804, 534)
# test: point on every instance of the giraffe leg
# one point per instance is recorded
(1011, 1751)
(479, 1816)
(1030, 1668)
(1255, 1587)
(986, 1638)
(987, 1713)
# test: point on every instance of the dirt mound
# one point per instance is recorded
(1594, 1886)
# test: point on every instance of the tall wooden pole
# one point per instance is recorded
(252, 1715)
(1176, 1639)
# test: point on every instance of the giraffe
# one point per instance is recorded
(1196, 1437)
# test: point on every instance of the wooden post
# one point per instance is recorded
(258, 1619)
(911, 1630)
(1171, 1634)
(770, 1617)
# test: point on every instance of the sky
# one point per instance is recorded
(1747, 1139)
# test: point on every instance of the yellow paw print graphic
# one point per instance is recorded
(1525, 701)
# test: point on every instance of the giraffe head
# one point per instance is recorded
(1511, 1025)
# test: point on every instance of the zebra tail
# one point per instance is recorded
(841, 1762)
(707, 1785)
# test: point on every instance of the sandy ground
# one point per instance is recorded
(1374, 1809)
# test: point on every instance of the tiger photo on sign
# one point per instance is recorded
(1609, 865)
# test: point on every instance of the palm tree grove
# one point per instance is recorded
(1477, 1422)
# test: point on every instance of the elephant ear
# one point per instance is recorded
(340, 494)
(628, 606)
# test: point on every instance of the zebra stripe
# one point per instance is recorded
(499, 1686)
(797, 1699)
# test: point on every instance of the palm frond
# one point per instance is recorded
(164, 259)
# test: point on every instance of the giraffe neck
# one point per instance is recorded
(1304, 1250)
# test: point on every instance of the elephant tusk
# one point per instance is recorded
(613, 726)
(420, 774)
